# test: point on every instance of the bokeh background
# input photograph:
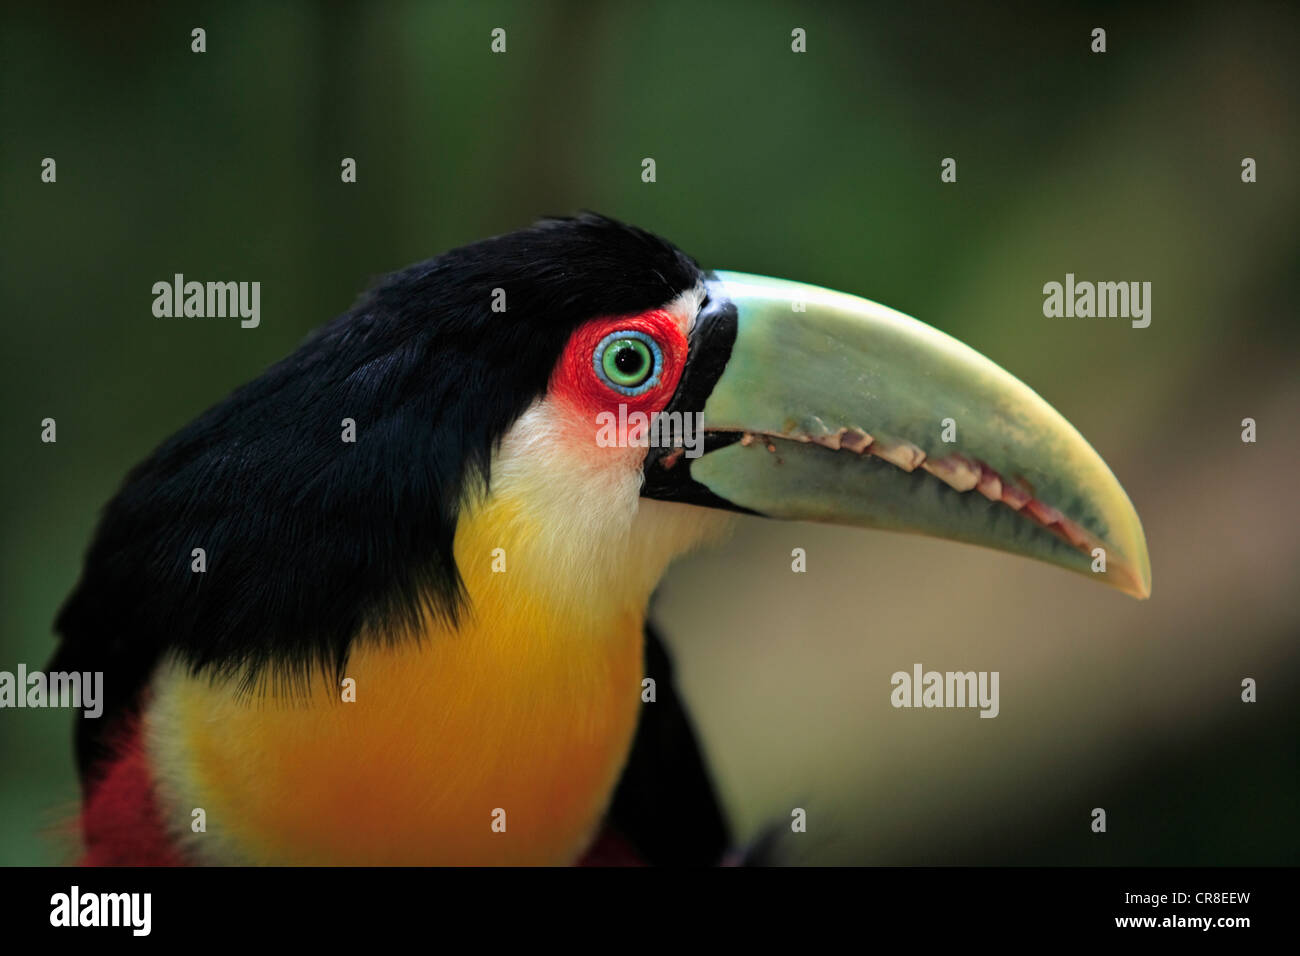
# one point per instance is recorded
(821, 166)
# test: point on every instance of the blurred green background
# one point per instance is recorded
(821, 166)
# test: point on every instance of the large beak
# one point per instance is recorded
(820, 406)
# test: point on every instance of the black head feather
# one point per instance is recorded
(309, 540)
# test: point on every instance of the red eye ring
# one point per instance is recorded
(577, 381)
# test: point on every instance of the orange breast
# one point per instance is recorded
(513, 721)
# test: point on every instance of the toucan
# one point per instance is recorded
(387, 602)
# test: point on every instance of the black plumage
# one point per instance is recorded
(310, 540)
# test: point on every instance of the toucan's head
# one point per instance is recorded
(497, 393)
(663, 383)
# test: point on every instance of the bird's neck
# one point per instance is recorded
(497, 742)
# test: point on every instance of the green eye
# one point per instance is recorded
(628, 362)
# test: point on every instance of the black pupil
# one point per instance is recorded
(629, 360)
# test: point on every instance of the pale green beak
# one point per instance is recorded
(833, 408)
